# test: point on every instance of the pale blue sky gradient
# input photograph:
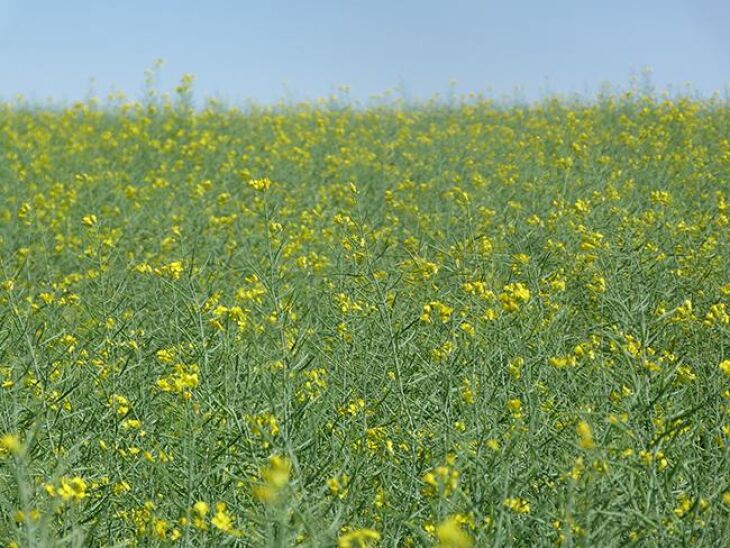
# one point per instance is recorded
(269, 50)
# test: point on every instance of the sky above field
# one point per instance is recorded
(296, 50)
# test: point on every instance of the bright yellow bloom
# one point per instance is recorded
(260, 185)
(513, 295)
(89, 220)
(360, 538)
(585, 435)
(515, 407)
(275, 477)
(222, 520)
(10, 443)
(72, 489)
(201, 508)
(450, 534)
(517, 505)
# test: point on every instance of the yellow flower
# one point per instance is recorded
(585, 435)
(512, 295)
(222, 520)
(10, 443)
(338, 486)
(275, 476)
(725, 367)
(171, 270)
(182, 380)
(450, 534)
(515, 407)
(161, 526)
(661, 197)
(72, 489)
(597, 284)
(360, 538)
(514, 367)
(442, 481)
(89, 220)
(201, 508)
(684, 506)
(260, 185)
(121, 487)
(20, 517)
(467, 392)
(517, 505)
(563, 362)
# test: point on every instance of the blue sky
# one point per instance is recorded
(269, 50)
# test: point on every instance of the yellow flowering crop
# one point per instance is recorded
(464, 322)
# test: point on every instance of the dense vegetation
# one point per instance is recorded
(443, 324)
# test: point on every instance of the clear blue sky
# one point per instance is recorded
(268, 50)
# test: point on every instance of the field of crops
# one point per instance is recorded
(443, 324)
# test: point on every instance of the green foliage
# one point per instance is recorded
(447, 324)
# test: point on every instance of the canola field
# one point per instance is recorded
(464, 324)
